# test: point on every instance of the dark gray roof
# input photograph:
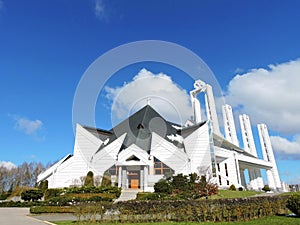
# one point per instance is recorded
(139, 128)
(223, 143)
(101, 134)
(140, 125)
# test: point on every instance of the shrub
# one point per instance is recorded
(293, 203)
(151, 196)
(52, 192)
(51, 209)
(241, 189)
(163, 186)
(266, 188)
(216, 210)
(43, 186)
(186, 187)
(31, 195)
(232, 188)
(4, 195)
(89, 179)
(106, 180)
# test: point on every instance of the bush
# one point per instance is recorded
(4, 195)
(43, 186)
(232, 188)
(217, 210)
(106, 180)
(151, 196)
(163, 186)
(266, 188)
(51, 209)
(52, 193)
(19, 204)
(241, 189)
(186, 187)
(293, 203)
(89, 179)
(32, 195)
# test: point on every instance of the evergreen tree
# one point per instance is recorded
(89, 180)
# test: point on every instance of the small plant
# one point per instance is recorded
(241, 189)
(293, 203)
(232, 188)
(266, 188)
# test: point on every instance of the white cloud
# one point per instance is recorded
(269, 95)
(167, 98)
(286, 149)
(29, 127)
(7, 165)
(239, 70)
(101, 10)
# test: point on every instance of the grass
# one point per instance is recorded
(290, 193)
(234, 194)
(273, 220)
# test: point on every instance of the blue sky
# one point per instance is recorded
(46, 47)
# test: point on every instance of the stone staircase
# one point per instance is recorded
(128, 194)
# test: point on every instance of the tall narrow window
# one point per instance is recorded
(226, 171)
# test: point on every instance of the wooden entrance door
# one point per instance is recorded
(134, 183)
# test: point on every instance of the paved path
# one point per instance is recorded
(17, 216)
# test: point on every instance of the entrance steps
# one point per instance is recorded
(128, 194)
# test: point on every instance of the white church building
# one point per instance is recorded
(145, 148)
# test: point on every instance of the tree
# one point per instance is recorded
(43, 186)
(106, 180)
(89, 180)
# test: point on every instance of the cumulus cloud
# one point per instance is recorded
(171, 101)
(286, 149)
(269, 95)
(272, 96)
(29, 127)
(7, 165)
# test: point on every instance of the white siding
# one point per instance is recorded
(169, 154)
(107, 156)
(198, 149)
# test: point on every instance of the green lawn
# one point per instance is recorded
(234, 194)
(274, 220)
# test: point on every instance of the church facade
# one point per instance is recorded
(146, 147)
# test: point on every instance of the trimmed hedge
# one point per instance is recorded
(242, 209)
(51, 209)
(19, 204)
(293, 203)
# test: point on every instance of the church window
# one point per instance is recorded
(220, 180)
(226, 170)
(161, 169)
